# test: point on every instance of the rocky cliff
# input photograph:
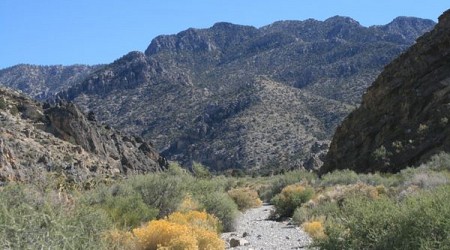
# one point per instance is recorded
(36, 138)
(404, 116)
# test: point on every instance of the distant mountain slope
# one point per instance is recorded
(403, 118)
(236, 96)
(42, 82)
(36, 138)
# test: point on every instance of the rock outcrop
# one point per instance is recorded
(404, 116)
(37, 138)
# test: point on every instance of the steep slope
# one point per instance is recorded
(36, 138)
(221, 95)
(403, 118)
(42, 82)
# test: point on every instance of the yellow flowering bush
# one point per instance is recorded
(314, 229)
(191, 230)
(245, 198)
(188, 204)
(196, 219)
(290, 198)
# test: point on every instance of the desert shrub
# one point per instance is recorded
(245, 198)
(340, 193)
(423, 177)
(378, 179)
(290, 198)
(34, 220)
(192, 230)
(200, 171)
(211, 196)
(327, 203)
(314, 228)
(278, 182)
(325, 209)
(118, 239)
(425, 223)
(201, 187)
(222, 206)
(188, 204)
(339, 177)
(163, 191)
(122, 204)
(195, 218)
(128, 211)
(439, 162)
(421, 221)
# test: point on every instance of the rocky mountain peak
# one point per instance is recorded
(220, 36)
(342, 20)
(407, 28)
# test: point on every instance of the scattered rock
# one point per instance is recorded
(236, 242)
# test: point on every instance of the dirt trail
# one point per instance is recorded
(256, 232)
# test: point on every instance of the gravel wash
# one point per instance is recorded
(255, 232)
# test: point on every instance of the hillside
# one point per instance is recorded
(40, 138)
(42, 82)
(403, 118)
(234, 96)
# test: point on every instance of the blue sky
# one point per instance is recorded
(68, 32)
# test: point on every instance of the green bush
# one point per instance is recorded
(421, 221)
(129, 211)
(122, 204)
(423, 177)
(163, 191)
(34, 220)
(201, 187)
(339, 177)
(327, 209)
(439, 162)
(378, 179)
(200, 171)
(222, 206)
(277, 183)
(290, 198)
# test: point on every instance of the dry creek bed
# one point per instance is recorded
(254, 231)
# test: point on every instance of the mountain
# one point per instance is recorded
(403, 118)
(36, 138)
(234, 96)
(42, 82)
